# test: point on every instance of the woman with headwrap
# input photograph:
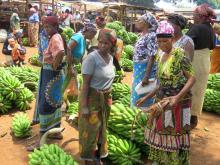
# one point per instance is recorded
(215, 56)
(15, 20)
(168, 127)
(51, 80)
(183, 41)
(203, 36)
(33, 27)
(144, 55)
(95, 99)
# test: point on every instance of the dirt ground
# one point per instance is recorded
(205, 139)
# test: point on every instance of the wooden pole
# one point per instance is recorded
(85, 11)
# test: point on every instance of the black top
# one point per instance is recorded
(202, 35)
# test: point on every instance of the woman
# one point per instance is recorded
(215, 57)
(144, 55)
(203, 36)
(43, 44)
(33, 27)
(168, 132)
(183, 41)
(95, 99)
(15, 20)
(51, 80)
(77, 43)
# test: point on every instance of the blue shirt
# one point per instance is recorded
(79, 50)
(34, 18)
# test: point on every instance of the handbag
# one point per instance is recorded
(140, 89)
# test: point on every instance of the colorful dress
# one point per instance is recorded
(145, 47)
(169, 137)
(92, 131)
(33, 29)
(50, 86)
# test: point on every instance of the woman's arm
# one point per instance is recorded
(147, 96)
(58, 59)
(84, 94)
(148, 70)
(190, 82)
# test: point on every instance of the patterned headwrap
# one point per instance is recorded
(165, 30)
(206, 12)
(178, 20)
(89, 27)
(51, 20)
(109, 35)
(148, 18)
(100, 21)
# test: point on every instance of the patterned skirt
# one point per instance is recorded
(169, 136)
(93, 131)
(49, 99)
(138, 75)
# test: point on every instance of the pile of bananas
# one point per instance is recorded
(212, 101)
(34, 60)
(21, 125)
(214, 81)
(121, 121)
(126, 100)
(5, 105)
(119, 75)
(122, 151)
(25, 97)
(28, 76)
(126, 64)
(50, 155)
(13, 93)
(120, 90)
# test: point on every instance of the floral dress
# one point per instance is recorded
(169, 135)
(145, 47)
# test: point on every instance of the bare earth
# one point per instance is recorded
(205, 143)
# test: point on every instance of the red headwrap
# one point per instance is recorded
(100, 21)
(51, 20)
(109, 34)
(206, 12)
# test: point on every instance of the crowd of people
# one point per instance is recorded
(178, 63)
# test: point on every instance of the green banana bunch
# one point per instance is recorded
(126, 64)
(122, 151)
(133, 37)
(120, 90)
(121, 121)
(214, 81)
(119, 75)
(25, 97)
(212, 101)
(5, 105)
(10, 86)
(21, 126)
(73, 108)
(34, 60)
(79, 80)
(78, 67)
(126, 100)
(129, 50)
(50, 155)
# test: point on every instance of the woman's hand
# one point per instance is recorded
(145, 81)
(173, 100)
(140, 101)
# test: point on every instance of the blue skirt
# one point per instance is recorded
(138, 75)
(50, 98)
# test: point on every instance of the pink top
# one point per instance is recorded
(54, 47)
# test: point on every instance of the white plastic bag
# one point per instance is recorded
(146, 88)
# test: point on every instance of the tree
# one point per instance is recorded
(213, 3)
